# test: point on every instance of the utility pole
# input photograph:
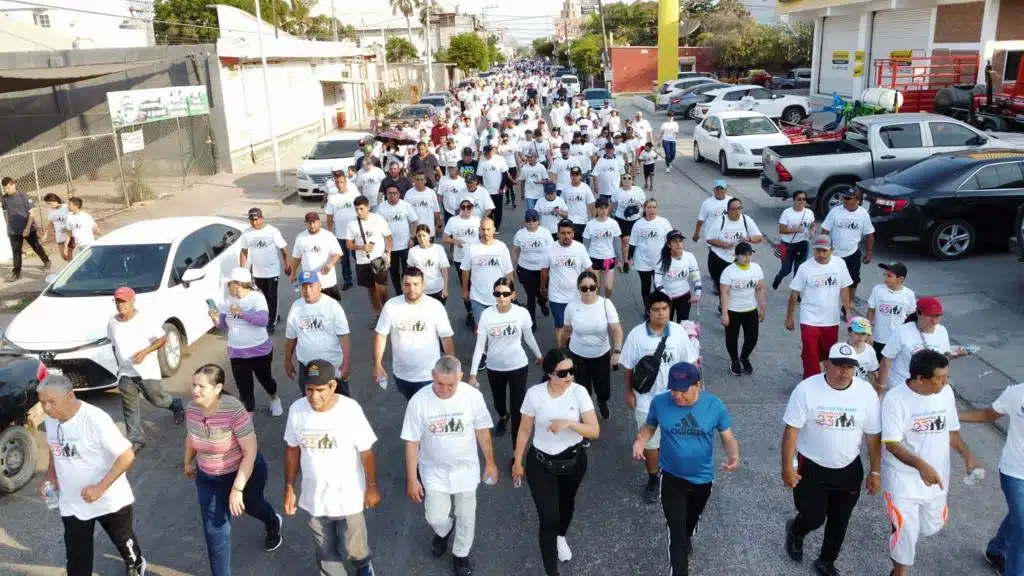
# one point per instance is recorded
(334, 23)
(427, 57)
(604, 35)
(266, 97)
(384, 51)
(273, 6)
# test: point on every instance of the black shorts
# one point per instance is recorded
(648, 170)
(578, 231)
(626, 226)
(853, 266)
(366, 278)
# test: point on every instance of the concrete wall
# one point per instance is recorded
(94, 28)
(635, 68)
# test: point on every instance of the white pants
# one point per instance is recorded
(438, 506)
(912, 518)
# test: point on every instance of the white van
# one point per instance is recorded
(572, 85)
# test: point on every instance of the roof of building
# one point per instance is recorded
(18, 36)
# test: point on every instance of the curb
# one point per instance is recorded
(277, 201)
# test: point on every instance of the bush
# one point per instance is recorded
(386, 103)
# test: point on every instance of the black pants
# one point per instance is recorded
(399, 262)
(826, 496)
(878, 346)
(33, 241)
(795, 256)
(244, 369)
(680, 308)
(496, 214)
(346, 261)
(853, 266)
(748, 321)
(333, 292)
(683, 502)
(530, 279)
(268, 286)
(555, 499)
(595, 374)
(646, 281)
(715, 268)
(507, 386)
(458, 274)
(78, 540)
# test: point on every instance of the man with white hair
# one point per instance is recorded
(642, 128)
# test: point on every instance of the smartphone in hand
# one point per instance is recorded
(211, 305)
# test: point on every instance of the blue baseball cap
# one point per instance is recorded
(721, 183)
(531, 214)
(682, 375)
(308, 277)
(549, 188)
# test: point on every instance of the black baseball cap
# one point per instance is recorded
(575, 170)
(318, 372)
(255, 213)
(470, 178)
(897, 268)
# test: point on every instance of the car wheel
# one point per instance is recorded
(696, 153)
(953, 239)
(17, 458)
(793, 115)
(172, 351)
(723, 163)
(988, 126)
(691, 112)
(832, 197)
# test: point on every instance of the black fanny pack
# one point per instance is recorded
(562, 463)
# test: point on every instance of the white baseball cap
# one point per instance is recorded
(242, 275)
(842, 353)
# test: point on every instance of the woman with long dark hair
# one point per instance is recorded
(594, 333)
(560, 415)
(678, 275)
(646, 239)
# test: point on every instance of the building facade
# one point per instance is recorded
(92, 24)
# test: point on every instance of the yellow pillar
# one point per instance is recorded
(668, 40)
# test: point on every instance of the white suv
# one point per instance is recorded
(790, 109)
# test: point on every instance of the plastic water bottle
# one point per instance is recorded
(489, 480)
(975, 477)
(382, 382)
(50, 495)
(517, 482)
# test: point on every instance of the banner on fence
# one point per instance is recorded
(155, 104)
(132, 141)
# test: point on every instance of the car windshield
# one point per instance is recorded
(749, 126)
(102, 269)
(597, 95)
(327, 149)
(413, 113)
(433, 101)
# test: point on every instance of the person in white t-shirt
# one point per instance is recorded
(414, 324)
(743, 305)
(601, 232)
(552, 209)
(919, 426)
(560, 416)
(89, 461)
(57, 216)
(484, 262)
(594, 335)
(668, 133)
(828, 417)
(484, 206)
(136, 338)
(608, 171)
(889, 304)
(648, 158)
(317, 250)
(647, 237)
(402, 220)
(261, 244)
(725, 233)
(369, 179)
(859, 337)
(316, 328)
(678, 275)
(579, 200)
(565, 260)
(848, 224)
(369, 236)
(529, 253)
(82, 229)
(1005, 551)
(922, 330)
(796, 225)
(711, 210)
(432, 260)
(331, 442)
(494, 172)
(341, 209)
(820, 285)
(533, 176)
(444, 426)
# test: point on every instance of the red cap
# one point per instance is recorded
(929, 306)
(312, 217)
(124, 293)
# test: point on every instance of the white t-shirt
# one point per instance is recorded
(414, 330)
(1011, 403)
(602, 236)
(550, 212)
(832, 422)
(242, 334)
(433, 261)
(263, 247)
(534, 177)
(820, 286)
(907, 340)
(578, 199)
(446, 432)
(711, 210)
(400, 217)
(83, 449)
(424, 203)
(649, 238)
(485, 264)
(648, 157)
(342, 208)
(669, 131)
(502, 334)
(675, 281)
(804, 219)
(449, 156)
(133, 336)
(450, 190)
(333, 484)
(571, 406)
(59, 219)
(922, 424)
(585, 154)
(369, 181)
(533, 247)
(608, 172)
(891, 310)
(465, 230)
(589, 322)
(482, 203)
(317, 328)
(80, 225)
(742, 286)
(867, 361)
(560, 168)
(732, 232)
(679, 347)
(847, 228)
(492, 171)
(375, 230)
(625, 198)
(314, 251)
(565, 264)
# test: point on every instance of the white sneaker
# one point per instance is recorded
(668, 169)
(564, 552)
(275, 407)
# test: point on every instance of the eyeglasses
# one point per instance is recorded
(588, 288)
(466, 206)
(565, 373)
(533, 219)
(500, 294)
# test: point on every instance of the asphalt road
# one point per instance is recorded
(613, 532)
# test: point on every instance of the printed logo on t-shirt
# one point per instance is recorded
(487, 261)
(535, 243)
(891, 309)
(835, 418)
(566, 262)
(732, 236)
(412, 326)
(446, 425)
(315, 441)
(396, 217)
(308, 248)
(929, 422)
(464, 231)
(848, 225)
(687, 426)
(825, 281)
(649, 234)
(63, 449)
(314, 323)
(740, 284)
(506, 329)
(420, 203)
(261, 243)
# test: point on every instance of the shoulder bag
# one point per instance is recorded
(377, 265)
(645, 373)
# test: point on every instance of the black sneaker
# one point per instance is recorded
(178, 410)
(439, 545)
(735, 369)
(602, 407)
(501, 426)
(139, 569)
(748, 368)
(470, 321)
(461, 566)
(776, 282)
(997, 562)
(653, 489)
(545, 310)
(273, 540)
(346, 286)
(138, 446)
(794, 545)
(825, 568)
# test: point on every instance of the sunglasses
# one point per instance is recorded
(500, 294)
(533, 219)
(564, 373)
(589, 288)
(466, 207)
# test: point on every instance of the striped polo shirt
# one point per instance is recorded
(214, 437)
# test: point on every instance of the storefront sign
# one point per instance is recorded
(155, 104)
(840, 57)
(902, 57)
(858, 63)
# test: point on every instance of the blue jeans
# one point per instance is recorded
(409, 389)
(345, 262)
(1009, 539)
(530, 203)
(478, 309)
(670, 151)
(213, 501)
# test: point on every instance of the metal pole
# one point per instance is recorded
(384, 40)
(604, 35)
(181, 150)
(120, 170)
(39, 191)
(334, 23)
(67, 168)
(273, 6)
(266, 95)
(426, 33)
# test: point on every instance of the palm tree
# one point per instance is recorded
(435, 8)
(407, 8)
(299, 20)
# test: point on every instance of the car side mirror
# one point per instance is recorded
(714, 133)
(192, 275)
(978, 141)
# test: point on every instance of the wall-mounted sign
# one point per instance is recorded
(858, 63)
(902, 57)
(154, 104)
(132, 141)
(840, 57)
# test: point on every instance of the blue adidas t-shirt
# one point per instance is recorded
(688, 434)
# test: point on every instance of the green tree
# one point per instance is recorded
(468, 51)
(585, 53)
(494, 54)
(562, 57)
(399, 49)
(543, 48)
(179, 20)
(407, 8)
(633, 24)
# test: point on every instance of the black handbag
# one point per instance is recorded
(645, 373)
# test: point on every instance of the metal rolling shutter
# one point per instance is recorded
(839, 35)
(895, 30)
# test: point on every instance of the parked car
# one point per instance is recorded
(872, 146)
(335, 149)
(436, 101)
(790, 109)
(597, 98)
(796, 79)
(447, 96)
(684, 104)
(684, 75)
(758, 77)
(673, 88)
(173, 264)
(417, 112)
(20, 415)
(572, 84)
(951, 201)
(735, 139)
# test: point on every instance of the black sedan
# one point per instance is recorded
(950, 201)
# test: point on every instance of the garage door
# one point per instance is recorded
(899, 32)
(838, 44)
